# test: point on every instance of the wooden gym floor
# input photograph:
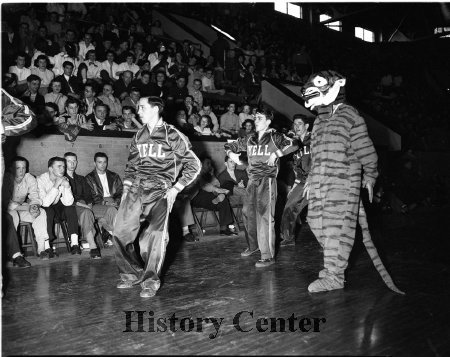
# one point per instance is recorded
(70, 305)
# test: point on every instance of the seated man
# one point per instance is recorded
(133, 99)
(20, 195)
(92, 66)
(70, 84)
(123, 85)
(143, 84)
(85, 47)
(31, 97)
(128, 65)
(89, 99)
(100, 119)
(205, 192)
(128, 121)
(51, 114)
(109, 68)
(83, 203)
(208, 83)
(72, 123)
(106, 191)
(182, 207)
(108, 98)
(178, 92)
(233, 180)
(11, 247)
(21, 71)
(57, 200)
(195, 92)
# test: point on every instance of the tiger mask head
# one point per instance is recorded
(323, 88)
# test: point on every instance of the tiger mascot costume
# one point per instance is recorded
(340, 150)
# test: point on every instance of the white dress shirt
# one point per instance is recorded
(84, 49)
(110, 68)
(125, 67)
(22, 73)
(50, 195)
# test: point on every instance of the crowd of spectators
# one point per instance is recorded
(82, 77)
(128, 52)
(88, 204)
(403, 85)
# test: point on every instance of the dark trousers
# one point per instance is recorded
(61, 212)
(259, 213)
(294, 206)
(204, 199)
(147, 203)
(10, 238)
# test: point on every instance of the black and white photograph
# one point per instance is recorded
(225, 178)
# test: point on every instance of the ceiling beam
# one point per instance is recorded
(338, 18)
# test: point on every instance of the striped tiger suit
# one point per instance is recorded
(341, 150)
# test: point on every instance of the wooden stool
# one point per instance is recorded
(26, 235)
(62, 225)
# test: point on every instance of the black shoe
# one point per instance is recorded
(43, 255)
(262, 263)
(95, 254)
(105, 236)
(285, 243)
(50, 253)
(75, 249)
(21, 262)
(228, 232)
(189, 237)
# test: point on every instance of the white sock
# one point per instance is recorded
(46, 244)
(185, 230)
(74, 239)
(231, 226)
(16, 255)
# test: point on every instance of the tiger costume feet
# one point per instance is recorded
(324, 284)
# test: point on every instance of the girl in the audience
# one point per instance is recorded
(204, 127)
(55, 96)
(43, 73)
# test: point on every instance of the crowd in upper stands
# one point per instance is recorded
(129, 50)
(405, 86)
(81, 76)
